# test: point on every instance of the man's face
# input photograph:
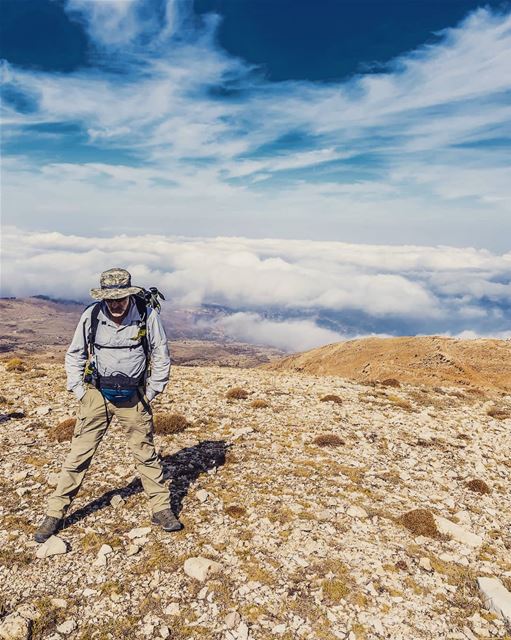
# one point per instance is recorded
(117, 308)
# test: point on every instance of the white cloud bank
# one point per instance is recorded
(288, 293)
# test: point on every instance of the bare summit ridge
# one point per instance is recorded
(428, 360)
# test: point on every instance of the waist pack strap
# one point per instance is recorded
(119, 382)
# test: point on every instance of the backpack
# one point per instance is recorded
(143, 300)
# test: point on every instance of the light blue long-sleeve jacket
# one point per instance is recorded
(130, 362)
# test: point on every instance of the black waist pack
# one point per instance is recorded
(119, 387)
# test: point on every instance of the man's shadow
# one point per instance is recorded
(182, 469)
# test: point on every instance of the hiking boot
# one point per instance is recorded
(167, 520)
(48, 527)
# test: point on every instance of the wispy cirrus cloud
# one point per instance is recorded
(171, 133)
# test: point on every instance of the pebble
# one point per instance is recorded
(67, 627)
(458, 533)
(138, 532)
(14, 627)
(172, 609)
(43, 411)
(116, 500)
(201, 568)
(232, 619)
(202, 495)
(53, 546)
(496, 597)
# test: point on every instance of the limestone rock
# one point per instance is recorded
(496, 597)
(116, 500)
(356, 512)
(201, 568)
(202, 495)
(53, 546)
(14, 627)
(133, 549)
(458, 533)
(138, 532)
(43, 411)
(232, 619)
(172, 609)
(67, 627)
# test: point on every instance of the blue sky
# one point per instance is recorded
(355, 121)
(248, 138)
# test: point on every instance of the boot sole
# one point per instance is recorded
(176, 527)
(42, 537)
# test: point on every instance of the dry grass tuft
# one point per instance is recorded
(235, 511)
(259, 404)
(328, 440)
(479, 486)
(237, 393)
(331, 397)
(63, 431)
(15, 364)
(420, 522)
(335, 590)
(499, 412)
(400, 402)
(166, 423)
(390, 382)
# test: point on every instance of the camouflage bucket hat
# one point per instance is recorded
(114, 284)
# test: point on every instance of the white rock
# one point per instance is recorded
(172, 609)
(242, 631)
(53, 546)
(89, 592)
(232, 619)
(457, 533)
(67, 627)
(60, 603)
(164, 631)
(14, 627)
(43, 411)
(100, 561)
(105, 550)
(133, 549)
(116, 500)
(239, 433)
(21, 475)
(138, 532)
(425, 563)
(356, 512)
(202, 495)
(201, 568)
(279, 628)
(496, 597)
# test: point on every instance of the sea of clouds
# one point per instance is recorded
(292, 294)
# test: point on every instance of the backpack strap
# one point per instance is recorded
(91, 338)
(142, 312)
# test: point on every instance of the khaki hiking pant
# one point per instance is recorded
(94, 415)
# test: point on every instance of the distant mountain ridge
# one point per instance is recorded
(429, 360)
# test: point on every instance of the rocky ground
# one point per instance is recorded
(306, 516)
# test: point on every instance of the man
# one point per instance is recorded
(121, 347)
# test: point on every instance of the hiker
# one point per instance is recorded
(116, 364)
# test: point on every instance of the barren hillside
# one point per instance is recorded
(431, 360)
(322, 508)
(44, 328)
